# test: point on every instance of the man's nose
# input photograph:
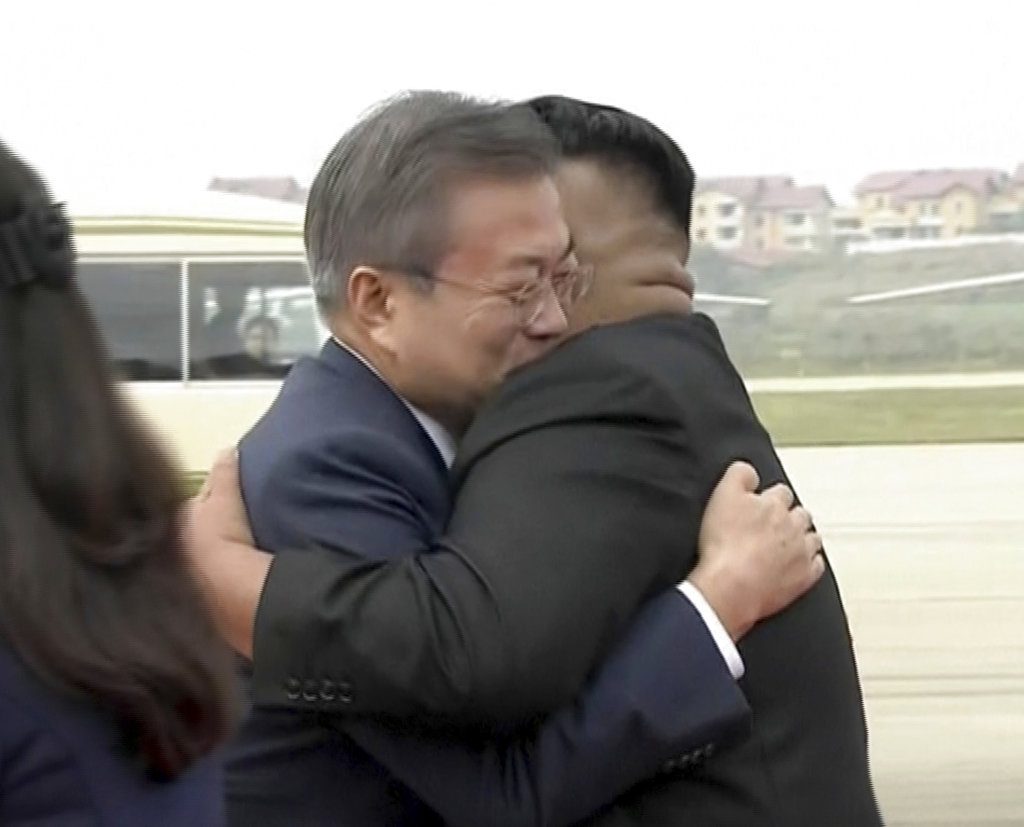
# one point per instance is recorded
(551, 321)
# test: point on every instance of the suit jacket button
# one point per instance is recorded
(328, 691)
(345, 694)
(293, 688)
(311, 691)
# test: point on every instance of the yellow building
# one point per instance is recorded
(722, 209)
(761, 213)
(928, 203)
(847, 227)
(796, 219)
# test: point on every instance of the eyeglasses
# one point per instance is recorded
(569, 286)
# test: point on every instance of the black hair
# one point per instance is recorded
(606, 133)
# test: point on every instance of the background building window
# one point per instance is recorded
(727, 233)
(727, 210)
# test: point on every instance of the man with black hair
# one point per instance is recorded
(626, 192)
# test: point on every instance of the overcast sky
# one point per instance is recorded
(114, 94)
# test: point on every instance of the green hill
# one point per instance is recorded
(810, 329)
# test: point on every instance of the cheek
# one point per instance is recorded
(489, 341)
(420, 319)
(491, 332)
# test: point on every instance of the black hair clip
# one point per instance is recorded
(36, 246)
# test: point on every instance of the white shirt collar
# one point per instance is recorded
(438, 434)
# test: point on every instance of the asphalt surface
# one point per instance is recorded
(928, 547)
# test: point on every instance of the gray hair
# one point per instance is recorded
(379, 197)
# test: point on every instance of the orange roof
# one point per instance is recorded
(795, 198)
(908, 185)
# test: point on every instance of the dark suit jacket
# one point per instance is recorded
(806, 762)
(61, 765)
(602, 457)
(340, 472)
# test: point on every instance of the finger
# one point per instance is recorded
(801, 518)
(812, 543)
(224, 472)
(780, 493)
(743, 475)
(205, 490)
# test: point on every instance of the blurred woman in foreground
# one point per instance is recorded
(115, 691)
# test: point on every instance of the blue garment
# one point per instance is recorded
(61, 766)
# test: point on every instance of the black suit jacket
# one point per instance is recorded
(806, 762)
(603, 456)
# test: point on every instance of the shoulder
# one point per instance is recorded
(61, 763)
(41, 774)
(374, 481)
(627, 350)
(330, 424)
(19, 689)
(612, 374)
(335, 415)
(646, 339)
(613, 367)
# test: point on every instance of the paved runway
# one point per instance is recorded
(928, 546)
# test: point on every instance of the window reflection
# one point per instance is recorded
(249, 320)
(138, 307)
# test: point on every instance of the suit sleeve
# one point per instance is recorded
(322, 634)
(578, 485)
(632, 721)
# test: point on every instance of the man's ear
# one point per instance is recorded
(372, 303)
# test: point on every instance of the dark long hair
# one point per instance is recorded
(95, 594)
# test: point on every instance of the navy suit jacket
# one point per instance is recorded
(61, 766)
(339, 463)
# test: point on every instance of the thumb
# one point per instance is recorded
(224, 473)
(742, 474)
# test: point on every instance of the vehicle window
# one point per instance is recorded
(250, 320)
(138, 307)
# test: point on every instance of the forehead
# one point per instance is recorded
(500, 221)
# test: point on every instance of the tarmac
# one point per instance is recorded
(927, 543)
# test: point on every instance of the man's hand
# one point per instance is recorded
(757, 553)
(217, 513)
(219, 544)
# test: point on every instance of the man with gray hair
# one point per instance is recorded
(441, 261)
